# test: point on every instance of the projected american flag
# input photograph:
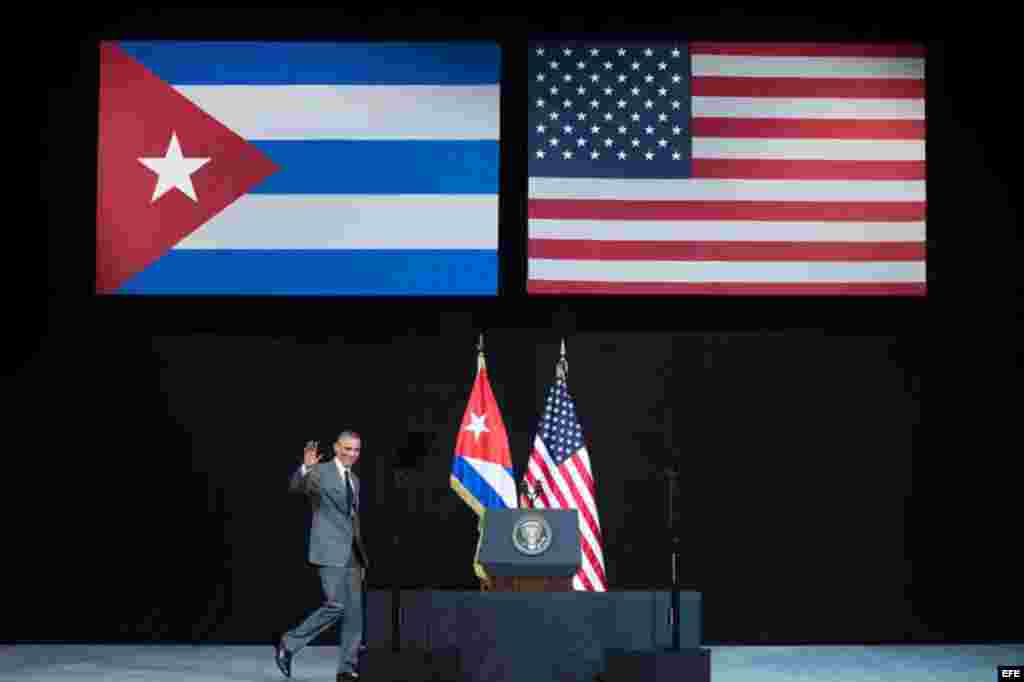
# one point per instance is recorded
(711, 168)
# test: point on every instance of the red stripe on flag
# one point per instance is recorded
(584, 472)
(807, 169)
(583, 508)
(895, 51)
(581, 505)
(584, 249)
(830, 88)
(608, 209)
(788, 128)
(591, 556)
(534, 286)
(577, 465)
(581, 574)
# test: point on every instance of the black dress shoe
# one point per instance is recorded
(347, 677)
(283, 658)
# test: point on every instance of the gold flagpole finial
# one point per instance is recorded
(562, 366)
(480, 353)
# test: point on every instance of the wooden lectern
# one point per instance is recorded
(529, 583)
(529, 550)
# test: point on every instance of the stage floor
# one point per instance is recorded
(233, 663)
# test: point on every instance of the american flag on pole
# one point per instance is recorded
(559, 472)
(726, 168)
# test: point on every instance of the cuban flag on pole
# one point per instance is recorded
(298, 168)
(482, 468)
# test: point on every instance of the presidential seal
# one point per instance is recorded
(532, 534)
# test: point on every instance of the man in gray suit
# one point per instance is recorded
(336, 549)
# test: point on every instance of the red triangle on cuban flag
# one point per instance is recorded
(482, 434)
(155, 146)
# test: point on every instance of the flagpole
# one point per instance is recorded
(481, 574)
(562, 366)
(561, 374)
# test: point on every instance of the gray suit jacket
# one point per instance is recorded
(333, 534)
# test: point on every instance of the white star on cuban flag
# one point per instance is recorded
(477, 425)
(174, 170)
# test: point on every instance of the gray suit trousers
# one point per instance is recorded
(343, 601)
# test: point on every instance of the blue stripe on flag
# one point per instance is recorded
(475, 484)
(313, 273)
(381, 167)
(283, 63)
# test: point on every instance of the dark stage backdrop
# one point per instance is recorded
(813, 503)
(848, 466)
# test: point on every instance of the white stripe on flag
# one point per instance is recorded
(498, 478)
(352, 112)
(742, 231)
(583, 455)
(808, 107)
(701, 189)
(820, 272)
(806, 67)
(592, 576)
(581, 486)
(844, 150)
(348, 221)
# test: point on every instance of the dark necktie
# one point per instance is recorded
(351, 494)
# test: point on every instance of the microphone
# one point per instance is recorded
(527, 491)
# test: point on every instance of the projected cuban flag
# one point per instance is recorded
(298, 169)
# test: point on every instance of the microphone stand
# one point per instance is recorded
(672, 485)
(396, 591)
